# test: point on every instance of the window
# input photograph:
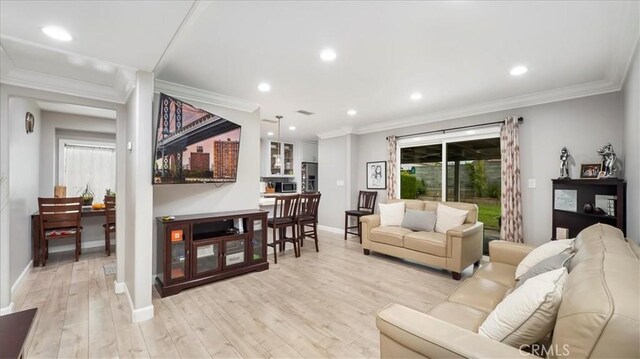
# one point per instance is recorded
(472, 171)
(85, 163)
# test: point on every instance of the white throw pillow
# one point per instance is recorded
(449, 217)
(529, 313)
(391, 214)
(543, 252)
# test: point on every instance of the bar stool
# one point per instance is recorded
(366, 205)
(284, 216)
(308, 217)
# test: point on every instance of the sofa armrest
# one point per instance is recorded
(466, 230)
(367, 223)
(403, 330)
(508, 252)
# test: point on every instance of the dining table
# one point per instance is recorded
(37, 242)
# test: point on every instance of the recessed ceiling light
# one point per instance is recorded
(352, 112)
(264, 87)
(328, 55)
(269, 133)
(292, 128)
(57, 33)
(519, 70)
(416, 96)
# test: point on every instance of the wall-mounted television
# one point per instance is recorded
(193, 146)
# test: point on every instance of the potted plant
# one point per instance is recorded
(87, 196)
(110, 192)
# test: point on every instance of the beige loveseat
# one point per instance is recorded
(598, 316)
(456, 250)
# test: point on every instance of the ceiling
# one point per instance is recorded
(456, 53)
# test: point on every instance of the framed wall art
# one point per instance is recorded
(377, 175)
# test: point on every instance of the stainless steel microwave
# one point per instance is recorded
(286, 187)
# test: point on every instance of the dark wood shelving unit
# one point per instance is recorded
(586, 190)
(197, 249)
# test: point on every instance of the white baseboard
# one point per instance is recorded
(24, 273)
(331, 229)
(7, 310)
(119, 287)
(141, 314)
(72, 247)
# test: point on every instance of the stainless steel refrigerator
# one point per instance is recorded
(309, 177)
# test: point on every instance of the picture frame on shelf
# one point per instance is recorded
(377, 175)
(590, 170)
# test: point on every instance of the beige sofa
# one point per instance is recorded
(456, 250)
(598, 317)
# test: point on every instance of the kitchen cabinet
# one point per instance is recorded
(309, 151)
(286, 151)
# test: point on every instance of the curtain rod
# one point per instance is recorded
(89, 146)
(520, 120)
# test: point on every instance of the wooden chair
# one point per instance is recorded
(110, 221)
(366, 206)
(59, 218)
(308, 216)
(284, 216)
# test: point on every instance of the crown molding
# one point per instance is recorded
(342, 131)
(627, 41)
(11, 74)
(193, 94)
(538, 98)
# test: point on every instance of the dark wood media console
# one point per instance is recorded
(196, 249)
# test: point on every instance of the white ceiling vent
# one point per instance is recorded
(305, 112)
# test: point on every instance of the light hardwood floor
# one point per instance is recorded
(318, 305)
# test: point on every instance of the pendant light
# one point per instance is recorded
(278, 161)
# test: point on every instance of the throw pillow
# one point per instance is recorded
(556, 262)
(528, 314)
(391, 214)
(543, 252)
(449, 217)
(419, 220)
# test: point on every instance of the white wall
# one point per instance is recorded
(24, 153)
(55, 124)
(332, 154)
(176, 199)
(581, 125)
(631, 95)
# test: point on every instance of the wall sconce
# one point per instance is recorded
(29, 122)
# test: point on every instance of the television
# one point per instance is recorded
(193, 146)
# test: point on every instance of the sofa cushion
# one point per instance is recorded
(482, 294)
(419, 220)
(528, 314)
(427, 242)
(449, 218)
(556, 262)
(597, 239)
(389, 235)
(498, 272)
(459, 315)
(410, 204)
(543, 252)
(391, 214)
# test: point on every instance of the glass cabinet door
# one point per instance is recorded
(207, 258)
(288, 159)
(179, 252)
(234, 252)
(257, 245)
(275, 159)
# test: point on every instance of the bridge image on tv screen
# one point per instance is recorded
(193, 145)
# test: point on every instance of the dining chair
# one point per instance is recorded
(284, 214)
(366, 206)
(308, 217)
(110, 221)
(59, 218)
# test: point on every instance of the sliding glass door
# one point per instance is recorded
(472, 171)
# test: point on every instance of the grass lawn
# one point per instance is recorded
(488, 214)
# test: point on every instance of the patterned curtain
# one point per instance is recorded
(392, 142)
(511, 202)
